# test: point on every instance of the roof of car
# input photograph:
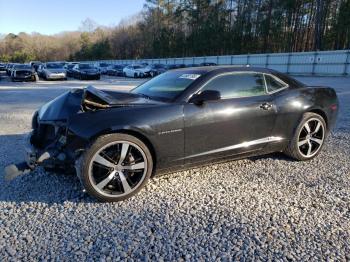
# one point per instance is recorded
(226, 68)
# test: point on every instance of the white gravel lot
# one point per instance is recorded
(262, 208)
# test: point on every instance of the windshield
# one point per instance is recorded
(57, 66)
(85, 66)
(167, 86)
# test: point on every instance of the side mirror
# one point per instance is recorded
(206, 95)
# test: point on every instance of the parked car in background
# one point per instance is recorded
(136, 71)
(62, 63)
(86, 71)
(103, 67)
(7, 67)
(53, 71)
(69, 68)
(157, 69)
(181, 66)
(2, 67)
(207, 64)
(10, 67)
(171, 67)
(192, 65)
(40, 71)
(23, 73)
(35, 64)
(115, 70)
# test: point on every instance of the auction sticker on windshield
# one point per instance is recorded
(190, 76)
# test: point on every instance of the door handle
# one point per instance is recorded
(265, 106)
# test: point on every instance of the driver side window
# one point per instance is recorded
(237, 85)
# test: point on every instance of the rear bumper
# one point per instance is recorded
(332, 116)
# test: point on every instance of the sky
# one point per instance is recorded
(54, 16)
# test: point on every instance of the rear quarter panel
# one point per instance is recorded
(293, 103)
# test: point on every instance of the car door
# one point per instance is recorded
(240, 121)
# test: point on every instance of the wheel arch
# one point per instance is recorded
(321, 113)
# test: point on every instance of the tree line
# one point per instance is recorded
(179, 28)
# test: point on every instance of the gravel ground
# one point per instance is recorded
(267, 208)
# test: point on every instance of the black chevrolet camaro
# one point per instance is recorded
(187, 117)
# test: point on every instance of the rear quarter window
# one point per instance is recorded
(273, 84)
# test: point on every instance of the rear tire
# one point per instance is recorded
(308, 138)
(115, 167)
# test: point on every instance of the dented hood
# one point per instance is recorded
(60, 108)
(87, 99)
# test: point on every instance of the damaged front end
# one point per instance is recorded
(47, 151)
(50, 143)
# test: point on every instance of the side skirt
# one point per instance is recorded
(216, 161)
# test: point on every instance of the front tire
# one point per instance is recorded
(308, 138)
(115, 167)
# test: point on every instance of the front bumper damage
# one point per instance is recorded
(32, 159)
(61, 129)
(47, 151)
(51, 144)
